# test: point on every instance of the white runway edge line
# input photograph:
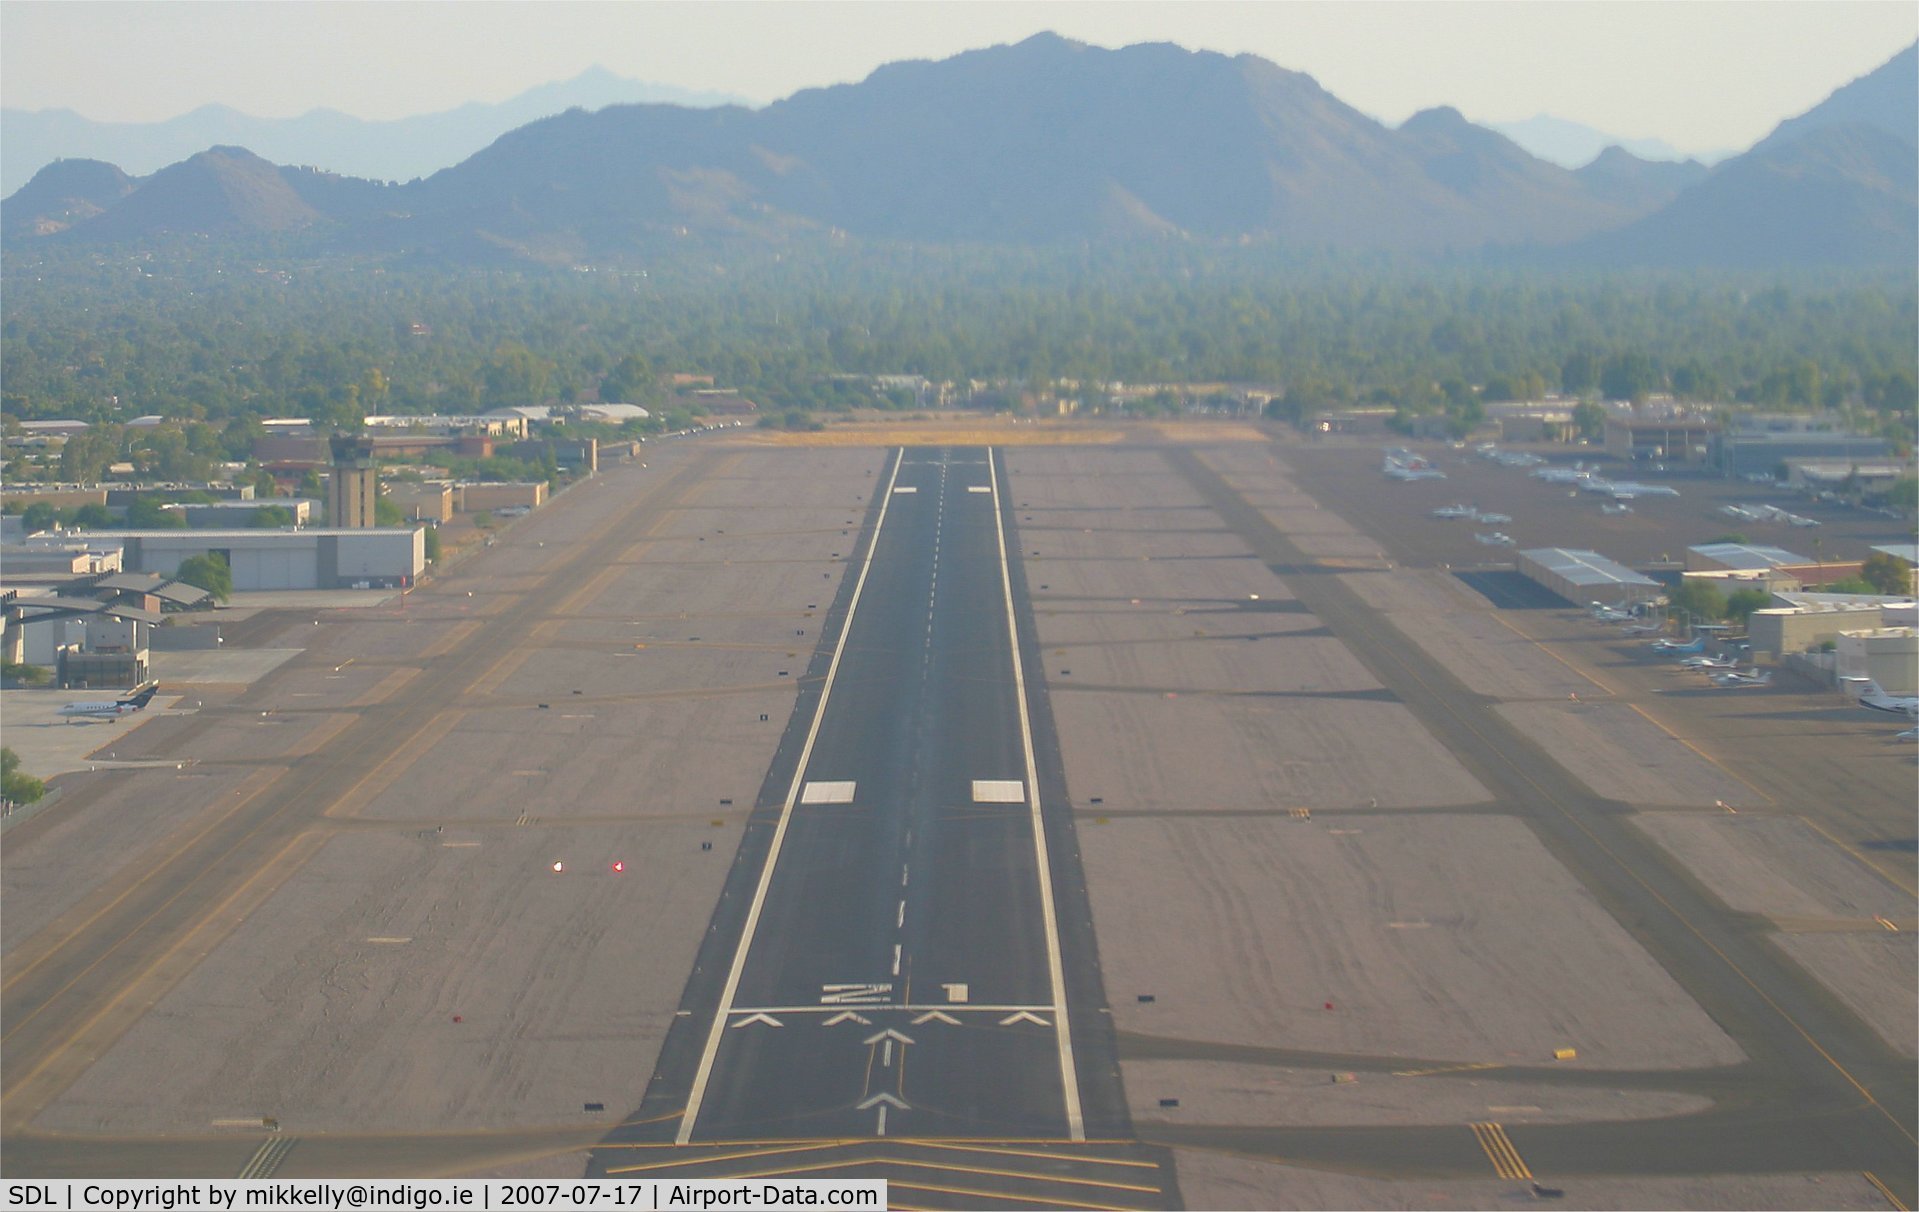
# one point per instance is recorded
(701, 1076)
(1062, 1027)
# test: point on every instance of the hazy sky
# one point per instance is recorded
(1699, 74)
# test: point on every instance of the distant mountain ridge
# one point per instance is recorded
(1043, 141)
(1836, 185)
(391, 150)
(1571, 144)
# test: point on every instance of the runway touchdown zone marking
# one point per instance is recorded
(999, 791)
(828, 793)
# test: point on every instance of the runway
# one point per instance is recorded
(900, 968)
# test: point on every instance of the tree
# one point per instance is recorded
(1742, 602)
(146, 514)
(1579, 373)
(1886, 573)
(515, 376)
(17, 787)
(1629, 376)
(1903, 495)
(386, 513)
(631, 381)
(270, 517)
(1591, 419)
(92, 516)
(1858, 585)
(433, 544)
(39, 516)
(1701, 599)
(209, 572)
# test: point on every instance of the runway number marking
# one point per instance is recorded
(873, 994)
(955, 992)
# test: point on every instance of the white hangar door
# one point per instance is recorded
(276, 568)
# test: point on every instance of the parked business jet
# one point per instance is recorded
(113, 709)
(1733, 679)
(1878, 700)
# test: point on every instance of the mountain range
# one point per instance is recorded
(393, 150)
(1050, 141)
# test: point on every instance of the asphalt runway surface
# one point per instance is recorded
(899, 966)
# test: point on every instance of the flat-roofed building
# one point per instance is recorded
(1679, 438)
(1739, 557)
(473, 498)
(1887, 655)
(1582, 577)
(427, 502)
(315, 558)
(1755, 444)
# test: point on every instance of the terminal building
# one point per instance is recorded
(1583, 577)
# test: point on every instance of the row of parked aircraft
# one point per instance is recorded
(1766, 513)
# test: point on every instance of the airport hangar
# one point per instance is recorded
(1585, 576)
(319, 558)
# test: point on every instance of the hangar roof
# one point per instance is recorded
(1746, 555)
(1585, 567)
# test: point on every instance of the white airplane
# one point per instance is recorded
(1494, 519)
(1674, 648)
(113, 709)
(1733, 679)
(1706, 662)
(1910, 734)
(1878, 700)
(1606, 614)
(1495, 539)
(1793, 519)
(1412, 468)
(1454, 511)
(1643, 629)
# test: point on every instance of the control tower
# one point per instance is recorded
(354, 485)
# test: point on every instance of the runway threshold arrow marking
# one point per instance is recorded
(762, 1017)
(885, 1098)
(892, 1033)
(847, 1016)
(936, 1016)
(1023, 1016)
